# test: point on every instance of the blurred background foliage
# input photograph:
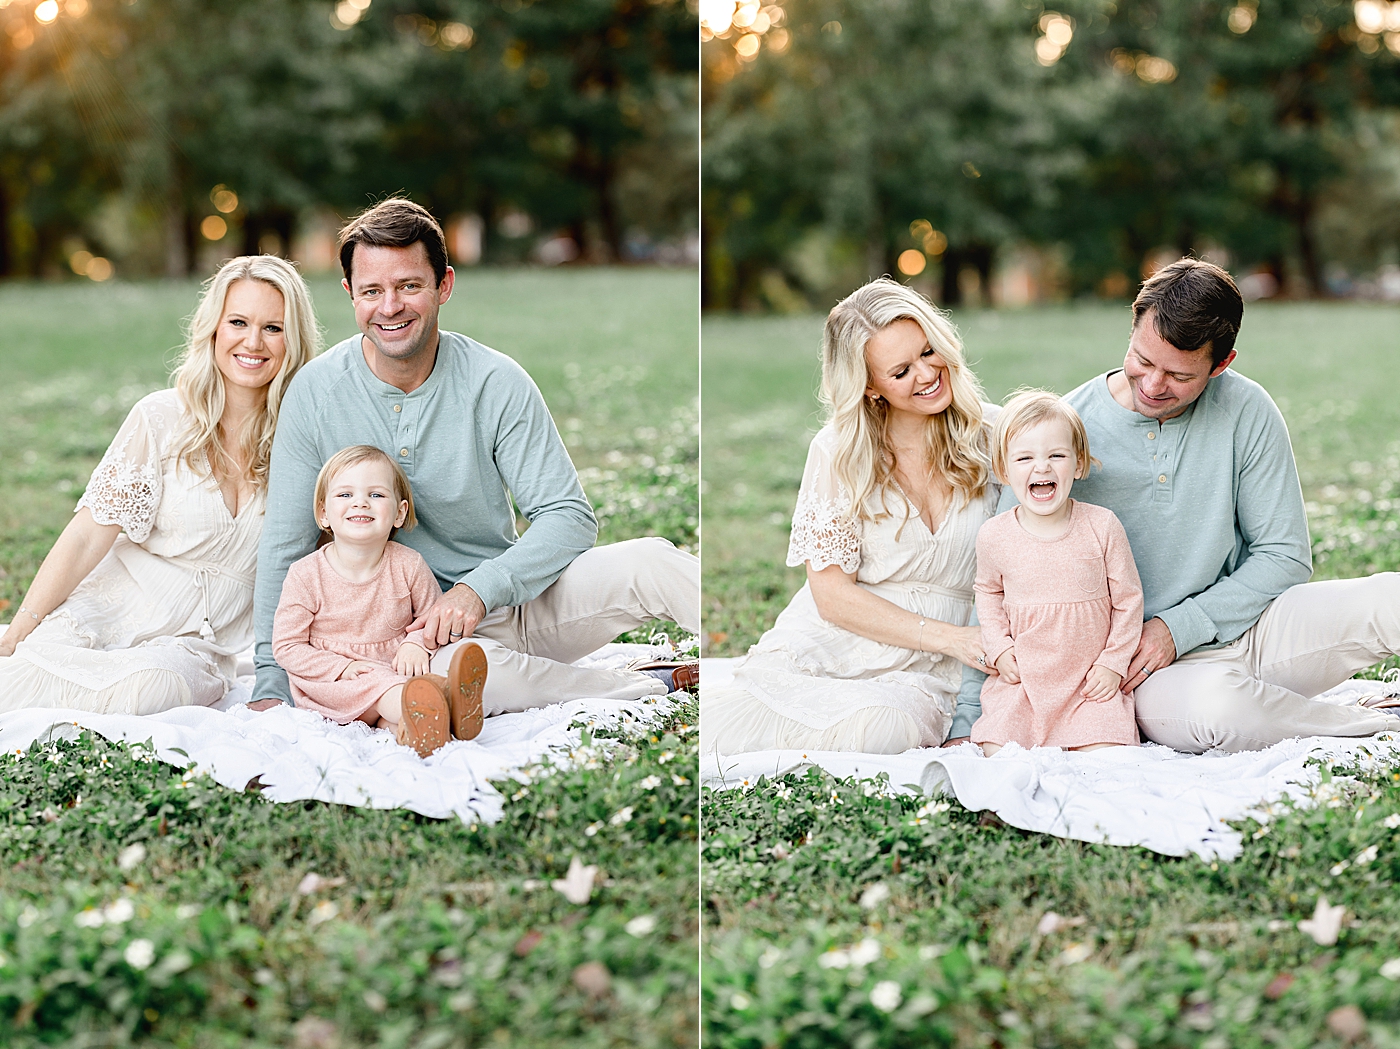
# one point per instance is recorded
(1006, 152)
(155, 137)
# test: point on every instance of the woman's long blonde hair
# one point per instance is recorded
(201, 385)
(955, 440)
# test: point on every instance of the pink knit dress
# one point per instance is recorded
(1066, 604)
(325, 622)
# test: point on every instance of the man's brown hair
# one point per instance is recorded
(395, 223)
(1194, 304)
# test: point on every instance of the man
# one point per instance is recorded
(472, 432)
(1198, 467)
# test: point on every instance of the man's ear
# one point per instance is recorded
(1222, 365)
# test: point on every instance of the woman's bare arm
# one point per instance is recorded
(842, 602)
(79, 547)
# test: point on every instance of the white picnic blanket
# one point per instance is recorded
(1150, 796)
(299, 755)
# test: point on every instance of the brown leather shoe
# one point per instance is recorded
(466, 680)
(423, 722)
(685, 675)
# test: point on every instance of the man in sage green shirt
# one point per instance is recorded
(473, 435)
(1197, 465)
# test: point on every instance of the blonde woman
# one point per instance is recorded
(868, 656)
(146, 598)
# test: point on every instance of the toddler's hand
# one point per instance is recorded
(1100, 684)
(411, 660)
(1007, 668)
(355, 669)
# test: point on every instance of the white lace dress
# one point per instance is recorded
(161, 619)
(809, 685)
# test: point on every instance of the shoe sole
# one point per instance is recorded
(466, 681)
(423, 723)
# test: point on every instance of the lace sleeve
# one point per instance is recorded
(822, 531)
(125, 488)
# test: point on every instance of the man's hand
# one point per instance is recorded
(410, 660)
(1007, 668)
(1100, 684)
(1155, 651)
(355, 669)
(454, 617)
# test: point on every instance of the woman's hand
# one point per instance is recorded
(964, 643)
(411, 660)
(8, 642)
(1007, 668)
(1100, 684)
(82, 543)
(355, 669)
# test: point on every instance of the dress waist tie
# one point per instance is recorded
(926, 588)
(203, 572)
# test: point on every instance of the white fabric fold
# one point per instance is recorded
(1148, 796)
(298, 755)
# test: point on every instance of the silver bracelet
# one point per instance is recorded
(37, 619)
(919, 645)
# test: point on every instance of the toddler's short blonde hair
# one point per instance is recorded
(353, 456)
(1027, 408)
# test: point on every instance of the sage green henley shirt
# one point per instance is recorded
(474, 435)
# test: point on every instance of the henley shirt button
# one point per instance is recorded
(404, 451)
(398, 407)
(1162, 478)
(1150, 436)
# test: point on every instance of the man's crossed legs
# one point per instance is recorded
(1258, 690)
(606, 591)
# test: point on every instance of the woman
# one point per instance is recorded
(145, 600)
(868, 656)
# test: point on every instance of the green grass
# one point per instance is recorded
(439, 935)
(1163, 952)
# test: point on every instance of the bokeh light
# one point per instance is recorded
(46, 12)
(79, 262)
(747, 24)
(213, 228)
(100, 269)
(1058, 32)
(911, 263)
(1242, 16)
(225, 199)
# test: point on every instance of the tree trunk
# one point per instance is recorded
(7, 260)
(179, 258)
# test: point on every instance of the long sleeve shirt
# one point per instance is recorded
(474, 436)
(1211, 504)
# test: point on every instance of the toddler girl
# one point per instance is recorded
(341, 626)
(1058, 595)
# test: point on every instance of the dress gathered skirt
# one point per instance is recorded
(811, 685)
(162, 618)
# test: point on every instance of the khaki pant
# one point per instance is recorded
(605, 592)
(1258, 689)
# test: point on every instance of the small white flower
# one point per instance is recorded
(834, 959)
(1325, 924)
(89, 918)
(740, 1001)
(865, 952)
(186, 911)
(577, 885)
(593, 828)
(1338, 868)
(650, 783)
(769, 958)
(679, 781)
(1366, 855)
(621, 816)
(139, 954)
(118, 912)
(641, 925)
(665, 756)
(874, 896)
(1391, 969)
(886, 996)
(323, 912)
(130, 857)
(28, 916)
(1075, 953)
(1392, 821)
